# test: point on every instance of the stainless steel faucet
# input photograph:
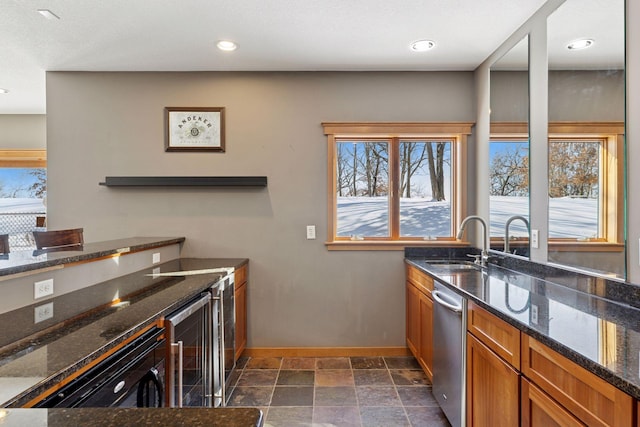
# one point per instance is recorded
(484, 254)
(506, 229)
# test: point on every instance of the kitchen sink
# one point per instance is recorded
(452, 265)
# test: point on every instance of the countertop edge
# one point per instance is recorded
(88, 254)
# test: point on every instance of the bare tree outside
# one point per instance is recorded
(509, 171)
(39, 188)
(412, 159)
(362, 168)
(436, 169)
(363, 185)
(574, 169)
(419, 159)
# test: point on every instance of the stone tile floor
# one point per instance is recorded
(337, 391)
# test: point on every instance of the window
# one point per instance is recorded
(573, 187)
(509, 186)
(585, 182)
(391, 185)
(586, 185)
(23, 178)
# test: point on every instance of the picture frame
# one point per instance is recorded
(194, 129)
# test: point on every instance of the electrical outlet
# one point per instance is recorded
(534, 314)
(42, 288)
(43, 312)
(535, 243)
(311, 232)
(156, 258)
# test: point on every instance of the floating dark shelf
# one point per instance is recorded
(185, 181)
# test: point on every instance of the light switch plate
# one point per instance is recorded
(156, 258)
(311, 232)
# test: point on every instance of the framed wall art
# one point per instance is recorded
(194, 129)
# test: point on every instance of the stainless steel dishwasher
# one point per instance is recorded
(449, 350)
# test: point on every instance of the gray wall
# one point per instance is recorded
(633, 139)
(23, 131)
(573, 95)
(300, 294)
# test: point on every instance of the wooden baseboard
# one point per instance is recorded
(325, 351)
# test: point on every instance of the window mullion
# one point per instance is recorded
(394, 178)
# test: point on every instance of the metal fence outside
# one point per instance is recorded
(19, 227)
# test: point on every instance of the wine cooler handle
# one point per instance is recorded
(179, 347)
(221, 350)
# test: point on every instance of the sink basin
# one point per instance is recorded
(452, 265)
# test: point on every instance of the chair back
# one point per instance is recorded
(59, 238)
(4, 243)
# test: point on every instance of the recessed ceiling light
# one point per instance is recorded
(48, 14)
(4, 90)
(422, 45)
(580, 44)
(226, 45)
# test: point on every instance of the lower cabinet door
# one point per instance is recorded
(426, 335)
(539, 410)
(413, 319)
(493, 388)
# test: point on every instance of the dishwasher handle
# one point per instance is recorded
(442, 299)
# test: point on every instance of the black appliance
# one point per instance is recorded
(189, 362)
(131, 377)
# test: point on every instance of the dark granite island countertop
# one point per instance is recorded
(116, 417)
(34, 360)
(28, 260)
(600, 334)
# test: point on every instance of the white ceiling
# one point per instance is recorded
(272, 35)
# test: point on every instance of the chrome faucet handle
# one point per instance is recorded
(476, 258)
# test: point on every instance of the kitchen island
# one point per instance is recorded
(53, 341)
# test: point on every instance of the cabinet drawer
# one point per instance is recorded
(495, 333)
(420, 279)
(538, 409)
(592, 400)
(240, 275)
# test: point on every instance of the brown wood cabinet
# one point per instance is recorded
(425, 353)
(240, 295)
(589, 398)
(502, 338)
(511, 378)
(493, 379)
(420, 318)
(413, 318)
(538, 409)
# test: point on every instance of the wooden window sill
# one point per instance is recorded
(388, 245)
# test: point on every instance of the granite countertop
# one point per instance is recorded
(570, 316)
(35, 358)
(24, 261)
(134, 417)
